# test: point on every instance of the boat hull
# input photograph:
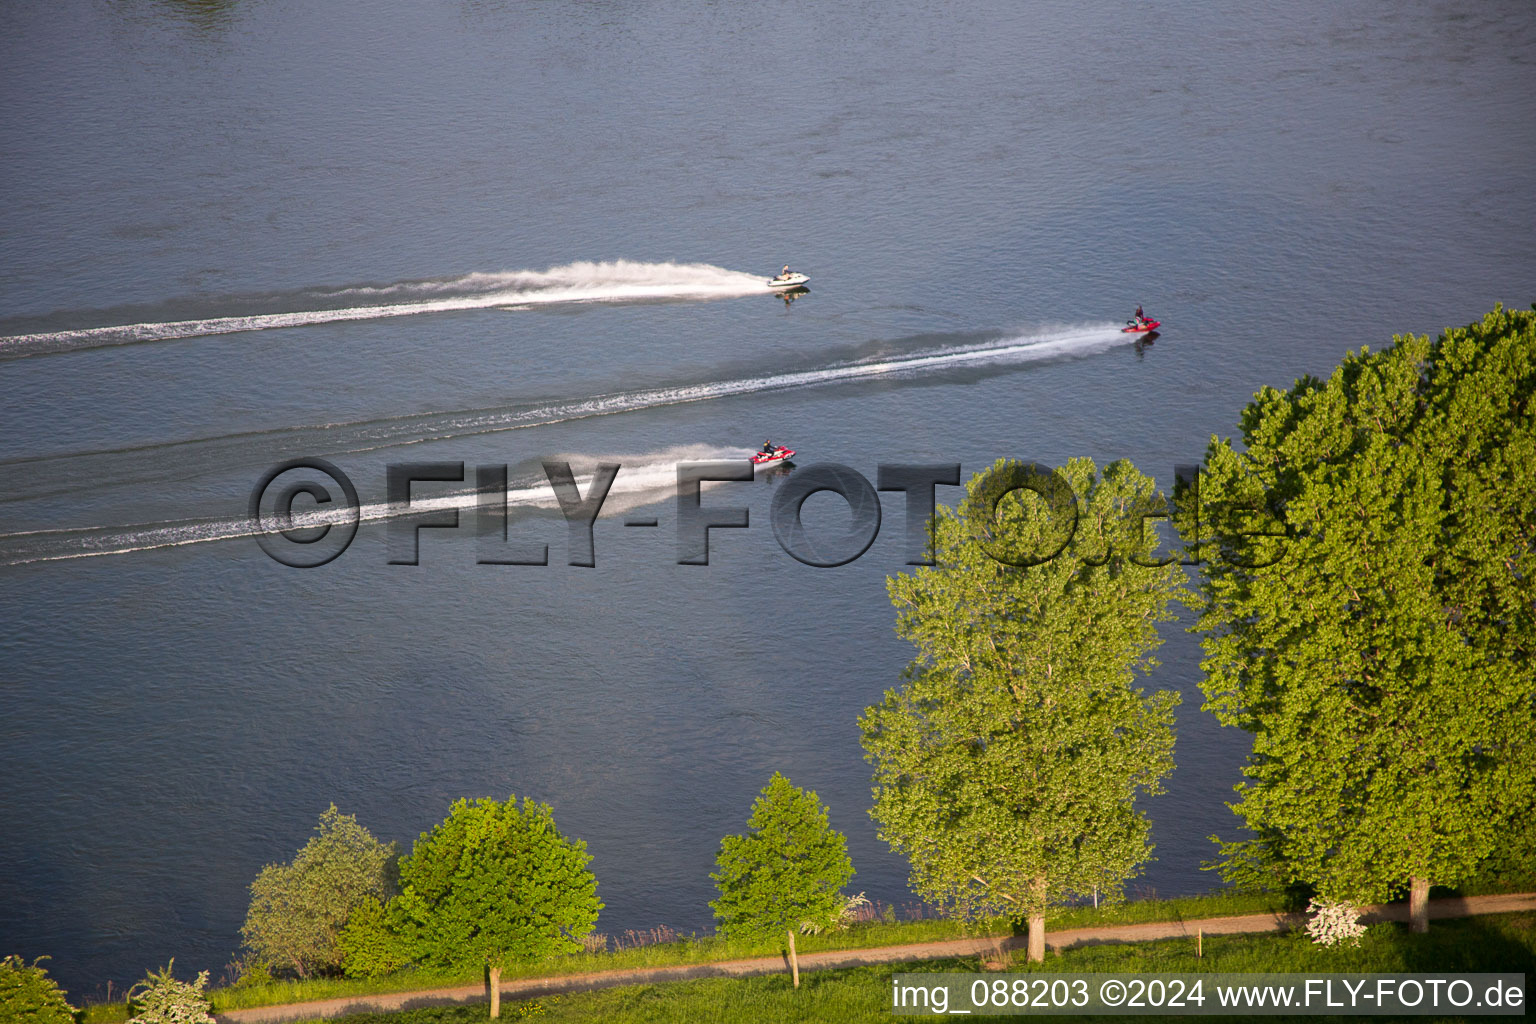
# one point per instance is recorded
(769, 458)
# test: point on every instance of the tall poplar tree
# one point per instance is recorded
(1007, 764)
(1383, 661)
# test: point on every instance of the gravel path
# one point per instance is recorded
(527, 988)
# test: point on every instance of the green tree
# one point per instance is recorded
(29, 996)
(298, 909)
(1007, 764)
(161, 999)
(786, 871)
(1383, 662)
(493, 884)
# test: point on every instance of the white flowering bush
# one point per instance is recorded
(1332, 923)
(161, 999)
(846, 915)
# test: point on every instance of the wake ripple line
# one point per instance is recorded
(617, 281)
(36, 477)
(45, 476)
(643, 480)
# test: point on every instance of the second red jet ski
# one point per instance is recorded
(1139, 324)
(771, 453)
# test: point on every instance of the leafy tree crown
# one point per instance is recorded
(1383, 664)
(786, 871)
(495, 883)
(298, 909)
(1007, 764)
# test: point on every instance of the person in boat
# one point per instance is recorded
(784, 274)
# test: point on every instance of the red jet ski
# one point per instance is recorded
(778, 454)
(1140, 326)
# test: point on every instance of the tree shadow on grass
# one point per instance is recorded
(1474, 944)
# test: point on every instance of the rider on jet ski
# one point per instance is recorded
(768, 446)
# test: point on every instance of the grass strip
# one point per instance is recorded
(708, 949)
(1503, 942)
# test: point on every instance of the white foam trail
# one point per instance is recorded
(1077, 341)
(20, 548)
(34, 477)
(616, 281)
(642, 480)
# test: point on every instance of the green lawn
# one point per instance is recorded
(1491, 943)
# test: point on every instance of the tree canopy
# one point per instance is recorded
(1007, 764)
(786, 871)
(495, 883)
(1384, 662)
(298, 909)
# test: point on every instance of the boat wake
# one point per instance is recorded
(616, 281)
(33, 478)
(28, 478)
(642, 480)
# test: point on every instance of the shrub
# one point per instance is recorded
(247, 973)
(369, 946)
(1332, 923)
(853, 910)
(161, 999)
(29, 996)
(298, 909)
(787, 872)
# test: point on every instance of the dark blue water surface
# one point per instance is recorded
(210, 207)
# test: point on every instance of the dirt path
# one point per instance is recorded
(527, 988)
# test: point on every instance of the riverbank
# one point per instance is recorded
(696, 950)
(982, 947)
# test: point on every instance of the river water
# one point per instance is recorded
(236, 233)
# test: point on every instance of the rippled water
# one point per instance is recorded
(237, 233)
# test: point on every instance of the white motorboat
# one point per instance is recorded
(793, 279)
